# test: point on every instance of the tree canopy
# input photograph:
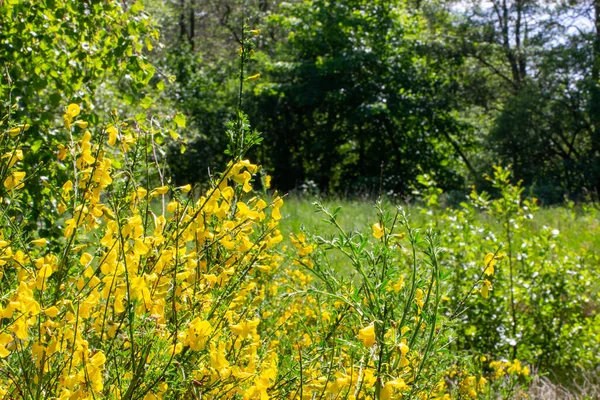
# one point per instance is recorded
(354, 97)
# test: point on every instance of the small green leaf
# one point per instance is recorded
(36, 145)
(146, 102)
(180, 120)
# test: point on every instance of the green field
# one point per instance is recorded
(578, 225)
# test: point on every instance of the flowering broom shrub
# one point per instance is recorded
(149, 291)
(381, 326)
(152, 292)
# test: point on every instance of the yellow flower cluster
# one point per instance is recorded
(13, 180)
(132, 302)
(301, 245)
(460, 383)
(489, 261)
(507, 368)
(149, 292)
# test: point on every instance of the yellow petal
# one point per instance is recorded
(51, 311)
(185, 188)
(161, 190)
(98, 359)
(489, 262)
(112, 135)
(367, 335)
(485, 289)
(377, 230)
(85, 259)
(73, 110)
(39, 242)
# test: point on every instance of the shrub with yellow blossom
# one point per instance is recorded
(377, 328)
(150, 291)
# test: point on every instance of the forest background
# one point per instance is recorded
(363, 97)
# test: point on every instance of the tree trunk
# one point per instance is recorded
(182, 30)
(192, 26)
(595, 97)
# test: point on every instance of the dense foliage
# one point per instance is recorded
(54, 52)
(364, 96)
